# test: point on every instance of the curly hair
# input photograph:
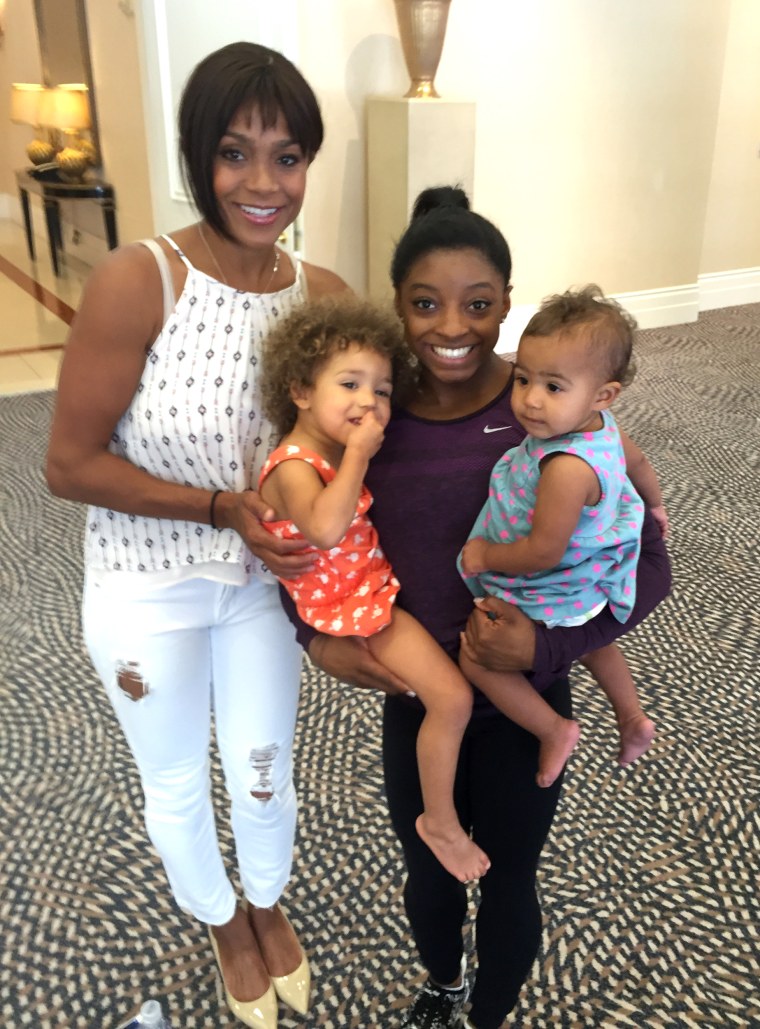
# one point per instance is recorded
(606, 327)
(303, 341)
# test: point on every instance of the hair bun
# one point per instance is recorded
(437, 197)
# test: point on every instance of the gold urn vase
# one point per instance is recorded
(422, 27)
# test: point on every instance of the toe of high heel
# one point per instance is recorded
(258, 1014)
(294, 989)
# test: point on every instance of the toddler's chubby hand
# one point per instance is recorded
(366, 436)
(660, 515)
(474, 556)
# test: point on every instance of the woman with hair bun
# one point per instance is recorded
(451, 274)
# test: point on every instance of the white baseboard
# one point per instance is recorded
(655, 308)
(677, 305)
(652, 309)
(729, 289)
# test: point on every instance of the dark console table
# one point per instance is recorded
(47, 183)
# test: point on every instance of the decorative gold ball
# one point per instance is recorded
(40, 152)
(88, 149)
(71, 162)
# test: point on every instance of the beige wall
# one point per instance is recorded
(613, 142)
(115, 59)
(732, 223)
(19, 62)
(362, 57)
(595, 137)
(596, 132)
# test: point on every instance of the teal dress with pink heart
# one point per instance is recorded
(599, 565)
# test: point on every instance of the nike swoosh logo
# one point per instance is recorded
(498, 428)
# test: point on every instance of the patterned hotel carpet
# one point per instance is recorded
(647, 881)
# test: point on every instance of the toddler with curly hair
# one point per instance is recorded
(329, 371)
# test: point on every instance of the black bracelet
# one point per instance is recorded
(211, 506)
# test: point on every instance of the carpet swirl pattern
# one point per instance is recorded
(648, 881)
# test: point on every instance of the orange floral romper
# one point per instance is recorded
(352, 588)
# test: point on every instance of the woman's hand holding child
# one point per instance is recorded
(244, 512)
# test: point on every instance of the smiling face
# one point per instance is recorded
(558, 387)
(259, 178)
(348, 385)
(452, 303)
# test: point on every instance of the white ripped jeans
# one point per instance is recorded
(181, 650)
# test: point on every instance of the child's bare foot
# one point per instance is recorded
(455, 850)
(636, 734)
(556, 748)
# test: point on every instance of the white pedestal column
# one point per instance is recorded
(411, 144)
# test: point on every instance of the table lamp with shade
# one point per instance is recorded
(66, 110)
(26, 109)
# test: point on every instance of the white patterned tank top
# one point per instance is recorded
(195, 418)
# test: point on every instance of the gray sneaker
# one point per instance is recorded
(436, 1007)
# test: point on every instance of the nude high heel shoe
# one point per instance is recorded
(293, 989)
(258, 1014)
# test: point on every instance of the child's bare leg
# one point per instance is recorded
(610, 669)
(408, 650)
(514, 696)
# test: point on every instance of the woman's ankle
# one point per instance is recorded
(276, 938)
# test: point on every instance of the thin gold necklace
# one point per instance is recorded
(218, 267)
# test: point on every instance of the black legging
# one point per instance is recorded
(497, 797)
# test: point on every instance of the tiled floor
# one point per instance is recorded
(35, 311)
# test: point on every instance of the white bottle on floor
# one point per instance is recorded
(150, 1017)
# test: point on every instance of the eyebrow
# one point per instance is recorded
(242, 138)
(434, 289)
(544, 375)
(359, 371)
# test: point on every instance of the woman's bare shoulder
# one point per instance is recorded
(130, 266)
(123, 292)
(322, 281)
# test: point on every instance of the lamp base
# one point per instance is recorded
(72, 164)
(40, 152)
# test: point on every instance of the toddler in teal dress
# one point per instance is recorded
(559, 534)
